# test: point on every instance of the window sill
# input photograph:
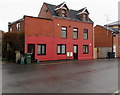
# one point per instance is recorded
(63, 38)
(85, 39)
(75, 38)
(40, 54)
(61, 53)
(85, 53)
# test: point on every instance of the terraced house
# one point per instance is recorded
(57, 33)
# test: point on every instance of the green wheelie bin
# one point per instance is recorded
(28, 58)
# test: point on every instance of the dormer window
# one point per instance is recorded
(62, 10)
(85, 17)
(10, 29)
(83, 13)
(63, 13)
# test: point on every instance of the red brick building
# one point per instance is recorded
(1, 36)
(57, 33)
(116, 27)
(103, 40)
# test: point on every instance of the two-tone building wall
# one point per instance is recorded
(47, 32)
(57, 33)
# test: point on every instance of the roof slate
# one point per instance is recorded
(60, 5)
(81, 9)
(108, 28)
(116, 30)
(114, 23)
(72, 14)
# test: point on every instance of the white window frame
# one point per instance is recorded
(18, 26)
(64, 32)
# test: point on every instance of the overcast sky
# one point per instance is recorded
(12, 10)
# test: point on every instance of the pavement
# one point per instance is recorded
(68, 76)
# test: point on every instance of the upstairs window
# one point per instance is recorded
(63, 13)
(10, 28)
(45, 10)
(18, 26)
(85, 17)
(85, 34)
(75, 33)
(64, 32)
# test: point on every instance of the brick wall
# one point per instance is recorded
(38, 27)
(102, 37)
(14, 26)
(44, 12)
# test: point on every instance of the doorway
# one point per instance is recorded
(75, 52)
(31, 49)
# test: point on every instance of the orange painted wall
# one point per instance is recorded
(38, 27)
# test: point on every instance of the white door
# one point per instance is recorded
(114, 49)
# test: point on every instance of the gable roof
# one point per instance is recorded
(61, 5)
(107, 28)
(115, 30)
(83, 10)
(58, 6)
(72, 14)
(116, 23)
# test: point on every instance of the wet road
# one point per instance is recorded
(94, 76)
